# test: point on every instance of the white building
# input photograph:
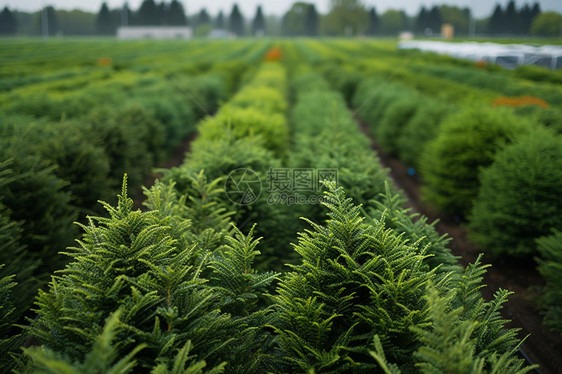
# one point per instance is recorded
(154, 32)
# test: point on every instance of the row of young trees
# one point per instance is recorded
(346, 17)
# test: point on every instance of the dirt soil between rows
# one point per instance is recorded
(175, 159)
(542, 346)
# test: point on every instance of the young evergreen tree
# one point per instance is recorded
(508, 223)
(389, 207)
(360, 280)
(258, 24)
(101, 359)
(18, 263)
(356, 280)
(38, 200)
(550, 267)
(9, 341)
(150, 265)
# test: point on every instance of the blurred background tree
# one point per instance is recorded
(219, 21)
(104, 22)
(258, 24)
(236, 24)
(311, 21)
(346, 17)
(176, 14)
(295, 19)
(547, 24)
(374, 22)
(393, 21)
(8, 22)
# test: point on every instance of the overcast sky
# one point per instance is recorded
(481, 8)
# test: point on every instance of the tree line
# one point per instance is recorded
(346, 17)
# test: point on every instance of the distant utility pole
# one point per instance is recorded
(471, 26)
(472, 22)
(45, 23)
(124, 15)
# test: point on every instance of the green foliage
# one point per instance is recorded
(359, 279)
(397, 115)
(451, 346)
(262, 98)
(356, 280)
(242, 138)
(18, 261)
(550, 267)
(123, 142)
(538, 74)
(240, 286)
(464, 333)
(8, 315)
(393, 21)
(421, 129)
(527, 173)
(80, 163)
(373, 99)
(547, 24)
(102, 358)
(483, 81)
(175, 288)
(343, 80)
(218, 159)
(325, 141)
(234, 123)
(346, 17)
(389, 208)
(166, 109)
(148, 265)
(549, 117)
(230, 72)
(208, 91)
(467, 141)
(36, 198)
(200, 202)
(308, 81)
(326, 137)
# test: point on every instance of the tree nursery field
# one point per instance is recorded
(280, 242)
